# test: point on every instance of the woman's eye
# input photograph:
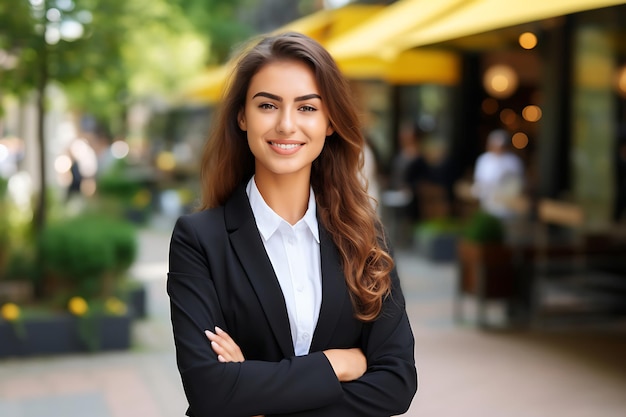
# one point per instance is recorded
(267, 106)
(308, 108)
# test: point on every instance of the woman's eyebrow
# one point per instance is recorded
(308, 97)
(268, 95)
(277, 98)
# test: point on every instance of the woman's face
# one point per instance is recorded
(285, 119)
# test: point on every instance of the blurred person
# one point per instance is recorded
(498, 177)
(284, 296)
(408, 169)
(417, 172)
(76, 178)
(409, 138)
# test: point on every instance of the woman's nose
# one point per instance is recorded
(285, 125)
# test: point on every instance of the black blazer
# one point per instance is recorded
(219, 274)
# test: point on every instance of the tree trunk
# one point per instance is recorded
(41, 203)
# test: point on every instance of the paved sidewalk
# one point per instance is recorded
(463, 371)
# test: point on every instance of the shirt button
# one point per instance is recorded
(300, 288)
(305, 336)
(291, 241)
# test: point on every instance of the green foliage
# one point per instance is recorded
(122, 192)
(438, 226)
(218, 20)
(80, 252)
(483, 227)
(116, 182)
(21, 266)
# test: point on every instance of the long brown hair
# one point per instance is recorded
(344, 207)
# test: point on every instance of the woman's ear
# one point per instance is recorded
(241, 120)
(329, 130)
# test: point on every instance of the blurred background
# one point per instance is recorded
(496, 150)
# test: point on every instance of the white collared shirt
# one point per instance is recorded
(295, 255)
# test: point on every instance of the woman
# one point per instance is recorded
(284, 299)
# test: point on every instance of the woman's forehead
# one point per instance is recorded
(286, 78)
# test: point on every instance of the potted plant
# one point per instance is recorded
(485, 264)
(436, 239)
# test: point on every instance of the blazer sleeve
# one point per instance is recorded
(390, 382)
(248, 388)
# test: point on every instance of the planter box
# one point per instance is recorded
(137, 302)
(65, 334)
(486, 271)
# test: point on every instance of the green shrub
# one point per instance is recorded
(483, 227)
(438, 226)
(86, 253)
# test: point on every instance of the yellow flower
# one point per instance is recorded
(77, 306)
(10, 312)
(141, 199)
(115, 306)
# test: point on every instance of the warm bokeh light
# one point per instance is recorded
(508, 117)
(490, 106)
(528, 40)
(166, 161)
(500, 81)
(532, 113)
(62, 164)
(519, 140)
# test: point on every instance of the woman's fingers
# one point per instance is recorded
(224, 346)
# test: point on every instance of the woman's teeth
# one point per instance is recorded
(286, 145)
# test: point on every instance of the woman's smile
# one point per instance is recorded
(286, 148)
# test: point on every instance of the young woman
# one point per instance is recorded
(284, 297)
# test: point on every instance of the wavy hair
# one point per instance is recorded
(345, 209)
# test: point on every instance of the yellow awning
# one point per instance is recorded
(321, 26)
(480, 16)
(408, 67)
(378, 35)
(411, 23)
(330, 23)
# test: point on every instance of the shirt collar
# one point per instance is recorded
(268, 221)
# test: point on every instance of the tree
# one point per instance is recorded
(96, 50)
(57, 40)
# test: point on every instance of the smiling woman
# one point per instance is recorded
(284, 296)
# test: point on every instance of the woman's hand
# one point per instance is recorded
(348, 364)
(224, 346)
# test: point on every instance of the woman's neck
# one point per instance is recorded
(287, 195)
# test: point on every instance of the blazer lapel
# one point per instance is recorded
(334, 292)
(248, 246)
